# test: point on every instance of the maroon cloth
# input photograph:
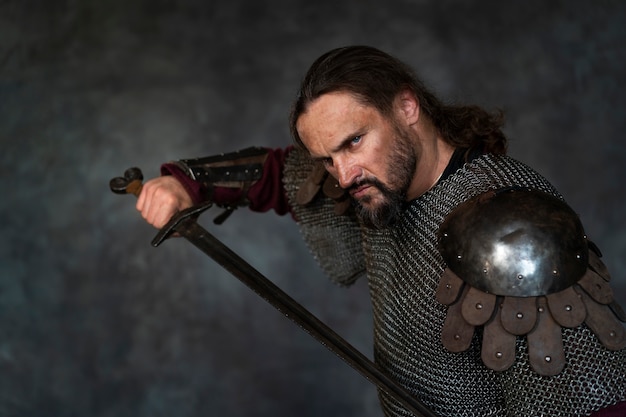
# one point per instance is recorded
(617, 410)
(266, 194)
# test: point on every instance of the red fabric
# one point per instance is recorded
(617, 410)
(266, 194)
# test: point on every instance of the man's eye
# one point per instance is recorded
(328, 162)
(356, 139)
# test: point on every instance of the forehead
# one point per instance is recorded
(333, 117)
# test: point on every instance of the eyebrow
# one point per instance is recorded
(342, 145)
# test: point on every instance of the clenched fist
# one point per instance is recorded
(161, 198)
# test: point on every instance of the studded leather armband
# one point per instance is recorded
(236, 170)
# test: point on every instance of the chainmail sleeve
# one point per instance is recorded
(334, 240)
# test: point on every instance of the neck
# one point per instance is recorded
(432, 160)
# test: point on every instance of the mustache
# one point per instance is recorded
(367, 181)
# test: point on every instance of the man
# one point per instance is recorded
(410, 182)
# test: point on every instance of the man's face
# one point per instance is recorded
(373, 158)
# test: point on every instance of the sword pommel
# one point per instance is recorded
(130, 183)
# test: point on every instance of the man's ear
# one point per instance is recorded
(407, 107)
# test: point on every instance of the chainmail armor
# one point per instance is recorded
(335, 241)
(403, 270)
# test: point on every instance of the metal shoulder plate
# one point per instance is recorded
(515, 242)
(519, 264)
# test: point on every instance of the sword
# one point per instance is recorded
(184, 223)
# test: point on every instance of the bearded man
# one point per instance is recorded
(474, 313)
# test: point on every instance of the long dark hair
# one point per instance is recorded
(375, 78)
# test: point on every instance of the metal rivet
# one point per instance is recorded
(499, 355)
(548, 359)
(555, 272)
(479, 306)
(520, 315)
(520, 276)
(612, 334)
(457, 337)
(540, 309)
(458, 257)
(568, 308)
(448, 286)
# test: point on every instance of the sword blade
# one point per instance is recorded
(186, 225)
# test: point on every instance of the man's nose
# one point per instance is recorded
(346, 173)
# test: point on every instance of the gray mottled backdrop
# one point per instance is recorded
(96, 322)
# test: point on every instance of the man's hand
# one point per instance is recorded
(161, 198)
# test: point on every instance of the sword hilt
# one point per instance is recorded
(130, 183)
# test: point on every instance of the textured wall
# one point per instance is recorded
(96, 322)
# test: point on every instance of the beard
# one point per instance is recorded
(400, 170)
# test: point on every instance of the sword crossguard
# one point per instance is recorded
(173, 225)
